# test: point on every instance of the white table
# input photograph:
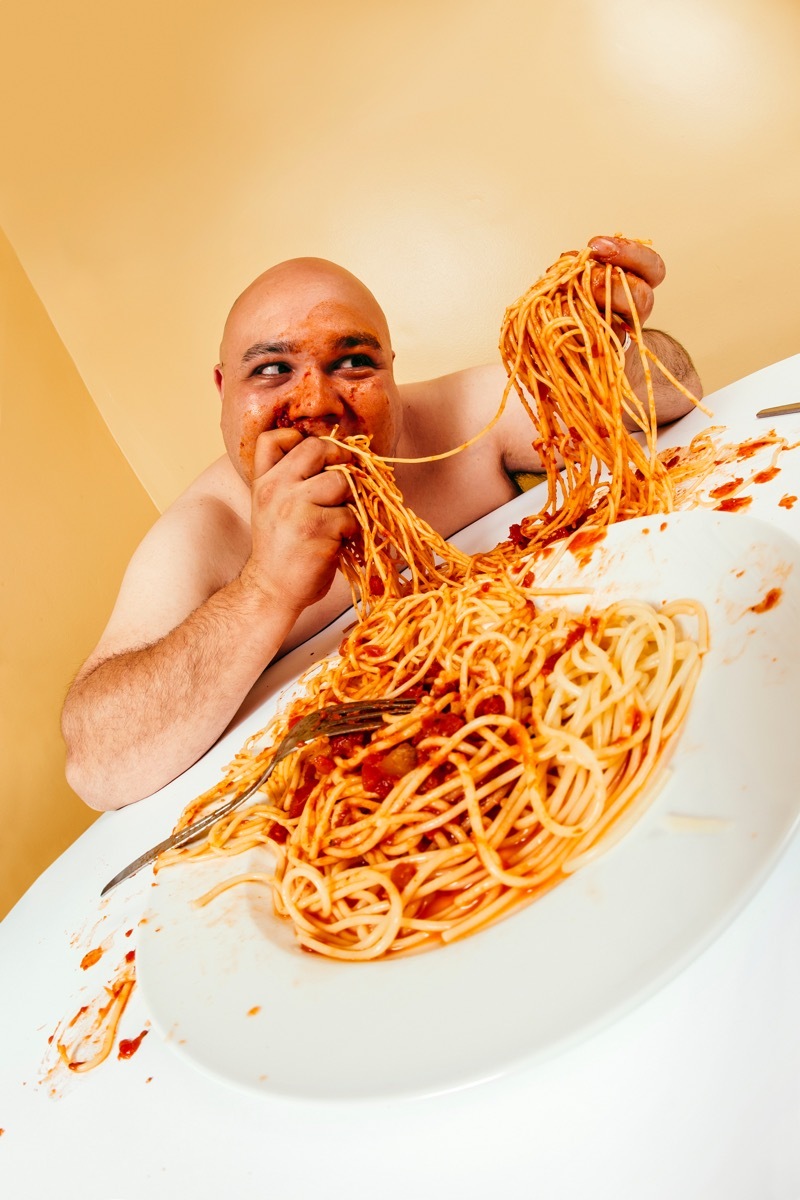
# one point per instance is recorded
(693, 1094)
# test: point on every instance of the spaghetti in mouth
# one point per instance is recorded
(538, 730)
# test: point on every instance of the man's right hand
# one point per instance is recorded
(299, 517)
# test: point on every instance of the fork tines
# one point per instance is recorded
(396, 704)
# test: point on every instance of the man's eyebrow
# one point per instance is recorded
(352, 340)
(261, 348)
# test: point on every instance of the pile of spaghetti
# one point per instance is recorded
(537, 729)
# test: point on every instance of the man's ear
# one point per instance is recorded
(219, 380)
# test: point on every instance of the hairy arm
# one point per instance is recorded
(184, 644)
(137, 718)
(670, 402)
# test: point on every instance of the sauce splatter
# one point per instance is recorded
(754, 446)
(254, 1011)
(91, 957)
(765, 476)
(128, 1046)
(726, 489)
(734, 503)
(772, 598)
(787, 501)
(582, 544)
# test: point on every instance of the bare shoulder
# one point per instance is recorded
(439, 415)
(457, 405)
(197, 545)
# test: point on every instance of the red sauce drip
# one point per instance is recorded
(518, 537)
(128, 1046)
(91, 957)
(725, 489)
(734, 504)
(584, 542)
(298, 801)
(573, 636)
(787, 501)
(765, 476)
(748, 449)
(402, 875)
(772, 598)
(442, 725)
(374, 781)
(346, 744)
(83, 1008)
(322, 764)
(130, 956)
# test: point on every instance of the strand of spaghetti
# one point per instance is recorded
(105, 1021)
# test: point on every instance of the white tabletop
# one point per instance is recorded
(695, 1093)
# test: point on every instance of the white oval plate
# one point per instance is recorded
(229, 989)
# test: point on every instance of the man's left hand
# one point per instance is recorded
(644, 270)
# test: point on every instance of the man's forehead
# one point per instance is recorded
(300, 320)
(331, 342)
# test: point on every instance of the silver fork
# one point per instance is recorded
(359, 716)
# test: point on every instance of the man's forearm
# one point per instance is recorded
(140, 718)
(671, 403)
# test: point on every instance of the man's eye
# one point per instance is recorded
(274, 368)
(356, 360)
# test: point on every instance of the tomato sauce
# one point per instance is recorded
(772, 598)
(734, 504)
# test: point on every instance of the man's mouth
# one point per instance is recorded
(322, 426)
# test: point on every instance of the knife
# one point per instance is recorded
(780, 410)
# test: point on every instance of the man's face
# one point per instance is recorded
(309, 350)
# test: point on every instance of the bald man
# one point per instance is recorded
(243, 565)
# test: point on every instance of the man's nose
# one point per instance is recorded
(314, 395)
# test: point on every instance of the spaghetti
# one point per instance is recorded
(567, 365)
(537, 730)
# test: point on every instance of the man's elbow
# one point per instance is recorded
(89, 783)
(86, 775)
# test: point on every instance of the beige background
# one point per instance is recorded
(155, 158)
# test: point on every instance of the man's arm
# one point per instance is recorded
(181, 650)
(670, 402)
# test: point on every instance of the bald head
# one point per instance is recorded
(306, 345)
(290, 291)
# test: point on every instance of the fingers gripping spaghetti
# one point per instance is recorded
(563, 356)
(537, 730)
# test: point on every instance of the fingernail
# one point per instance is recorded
(601, 245)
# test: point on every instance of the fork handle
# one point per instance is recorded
(190, 833)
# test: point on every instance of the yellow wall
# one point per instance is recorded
(72, 511)
(446, 150)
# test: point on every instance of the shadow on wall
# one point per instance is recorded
(73, 513)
